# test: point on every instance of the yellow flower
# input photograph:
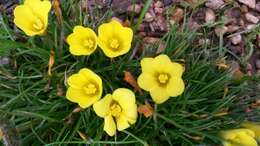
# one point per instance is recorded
(254, 127)
(238, 137)
(120, 107)
(83, 41)
(161, 77)
(32, 16)
(114, 39)
(85, 88)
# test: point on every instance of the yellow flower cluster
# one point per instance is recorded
(160, 76)
(113, 39)
(246, 136)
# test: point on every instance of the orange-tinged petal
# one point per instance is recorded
(110, 126)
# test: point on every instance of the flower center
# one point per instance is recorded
(163, 78)
(114, 44)
(115, 109)
(88, 43)
(38, 25)
(90, 89)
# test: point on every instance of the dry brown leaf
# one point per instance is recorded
(129, 78)
(146, 109)
(82, 135)
(51, 62)
(177, 15)
(57, 11)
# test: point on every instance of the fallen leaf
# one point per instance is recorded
(146, 109)
(129, 78)
(177, 15)
(82, 135)
(51, 62)
(57, 11)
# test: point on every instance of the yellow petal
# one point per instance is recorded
(102, 106)
(77, 88)
(79, 96)
(176, 69)
(175, 86)
(79, 50)
(110, 126)
(146, 81)
(147, 65)
(159, 94)
(127, 36)
(126, 99)
(122, 123)
(230, 134)
(254, 127)
(114, 29)
(78, 37)
(247, 140)
(77, 81)
(24, 18)
(91, 76)
(40, 8)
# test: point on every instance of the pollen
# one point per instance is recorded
(114, 44)
(90, 89)
(115, 109)
(163, 78)
(88, 43)
(38, 24)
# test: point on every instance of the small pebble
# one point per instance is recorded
(249, 3)
(148, 17)
(214, 4)
(258, 64)
(135, 8)
(221, 30)
(251, 18)
(210, 16)
(236, 39)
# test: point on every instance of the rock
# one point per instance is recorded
(214, 4)
(257, 64)
(135, 8)
(251, 18)
(257, 7)
(232, 28)
(249, 69)
(236, 39)
(168, 2)
(158, 10)
(249, 3)
(249, 27)
(4, 60)
(158, 4)
(148, 17)
(244, 9)
(210, 16)
(221, 30)
(177, 15)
